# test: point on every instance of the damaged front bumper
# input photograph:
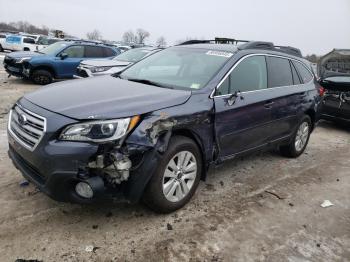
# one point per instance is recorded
(57, 167)
(57, 175)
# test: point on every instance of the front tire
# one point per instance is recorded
(42, 77)
(176, 178)
(299, 140)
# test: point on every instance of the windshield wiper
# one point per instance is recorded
(148, 82)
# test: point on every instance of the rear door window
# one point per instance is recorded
(108, 52)
(94, 51)
(305, 74)
(296, 79)
(249, 75)
(279, 72)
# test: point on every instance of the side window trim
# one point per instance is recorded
(212, 94)
(227, 75)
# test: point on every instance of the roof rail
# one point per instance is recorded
(217, 40)
(290, 50)
(270, 46)
(248, 45)
(86, 41)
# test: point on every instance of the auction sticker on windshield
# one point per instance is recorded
(220, 53)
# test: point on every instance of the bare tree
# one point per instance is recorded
(23, 26)
(129, 37)
(142, 35)
(94, 35)
(161, 42)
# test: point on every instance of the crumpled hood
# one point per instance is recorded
(21, 54)
(104, 62)
(335, 63)
(105, 97)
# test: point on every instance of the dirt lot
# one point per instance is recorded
(260, 208)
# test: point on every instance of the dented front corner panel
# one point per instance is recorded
(195, 116)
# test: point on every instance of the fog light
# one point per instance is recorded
(84, 190)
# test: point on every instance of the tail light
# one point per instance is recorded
(321, 90)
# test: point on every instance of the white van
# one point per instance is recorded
(19, 43)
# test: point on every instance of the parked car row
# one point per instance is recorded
(24, 42)
(57, 61)
(151, 131)
(97, 67)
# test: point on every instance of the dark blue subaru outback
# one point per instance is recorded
(152, 131)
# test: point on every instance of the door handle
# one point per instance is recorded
(268, 105)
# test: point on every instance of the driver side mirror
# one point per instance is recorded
(63, 56)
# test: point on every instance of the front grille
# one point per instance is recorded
(28, 128)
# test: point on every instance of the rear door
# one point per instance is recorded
(242, 109)
(283, 82)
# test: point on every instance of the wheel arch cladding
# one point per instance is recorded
(44, 67)
(312, 114)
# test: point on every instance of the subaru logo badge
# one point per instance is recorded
(22, 119)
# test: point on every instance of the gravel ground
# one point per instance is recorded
(259, 208)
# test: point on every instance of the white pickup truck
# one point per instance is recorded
(2, 41)
(18, 43)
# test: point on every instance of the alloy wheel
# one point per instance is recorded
(179, 176)
(301, 136)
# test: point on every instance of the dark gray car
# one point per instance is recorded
(98, 67)
(334, 73)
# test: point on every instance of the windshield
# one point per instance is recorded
(178, 67)
(53, 49)
(133, 55)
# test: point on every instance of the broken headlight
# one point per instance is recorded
(21, 60)
(100, 69)
(99, 131)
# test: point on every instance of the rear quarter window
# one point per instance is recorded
(279, 72)
(305, 74)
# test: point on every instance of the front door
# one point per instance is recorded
(68, 61)
(242, 109)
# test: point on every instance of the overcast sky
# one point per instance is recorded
(315, 26)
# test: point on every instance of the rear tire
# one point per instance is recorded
(173, 184)
(41, 77)
(1, 49)
(299, 140)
